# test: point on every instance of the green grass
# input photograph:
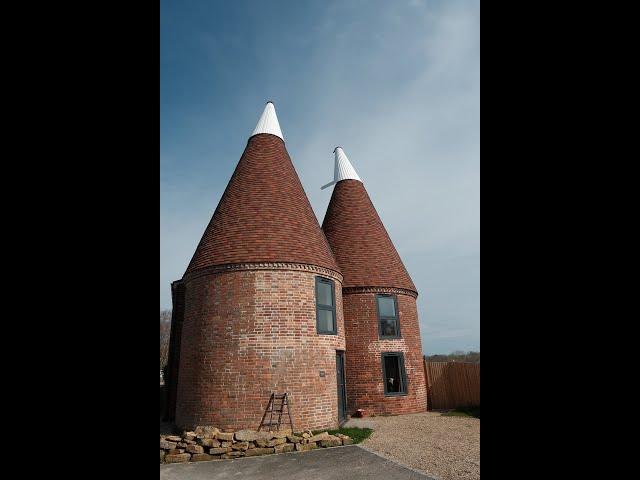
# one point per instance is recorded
(463, 412)
(357, 434)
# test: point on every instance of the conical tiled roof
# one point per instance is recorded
(264, 214)
(359, 241)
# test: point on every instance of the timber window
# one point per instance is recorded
(388, 318)
(395, 377)
(326, 306)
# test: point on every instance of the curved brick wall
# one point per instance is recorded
(247, 333)
(365, 388)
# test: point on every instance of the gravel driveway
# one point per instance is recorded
(443, 447)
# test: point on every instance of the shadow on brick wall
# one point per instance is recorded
(163, 401)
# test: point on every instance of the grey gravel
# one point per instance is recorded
(443, 447)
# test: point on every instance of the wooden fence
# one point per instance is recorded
(452, 384)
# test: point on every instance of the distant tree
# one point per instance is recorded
(165, 332)
(457, 356)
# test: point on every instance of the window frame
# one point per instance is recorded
(320, 307)
(403, 374)
(386, 317)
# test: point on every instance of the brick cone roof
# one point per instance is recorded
(264, 214)
(359, 241)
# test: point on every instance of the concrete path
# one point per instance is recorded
(348, 463)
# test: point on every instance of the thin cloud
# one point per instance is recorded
(397, 86)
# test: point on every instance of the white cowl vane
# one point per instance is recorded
(343, 169)
(268, 122)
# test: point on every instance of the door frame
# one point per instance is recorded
(340, 354)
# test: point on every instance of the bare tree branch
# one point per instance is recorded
(165, 332)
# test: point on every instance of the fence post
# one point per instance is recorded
(427, 384)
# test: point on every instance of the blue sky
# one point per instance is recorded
(396, 84)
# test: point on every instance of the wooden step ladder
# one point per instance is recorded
(272, 408)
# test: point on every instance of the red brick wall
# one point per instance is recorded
(248, 333)
(365, 387)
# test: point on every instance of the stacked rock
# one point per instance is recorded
(209, 443)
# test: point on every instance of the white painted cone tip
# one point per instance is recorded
(343, 170)
(268, 122)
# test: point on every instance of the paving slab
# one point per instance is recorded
(348, 463)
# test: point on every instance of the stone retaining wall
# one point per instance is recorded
(209, 443)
